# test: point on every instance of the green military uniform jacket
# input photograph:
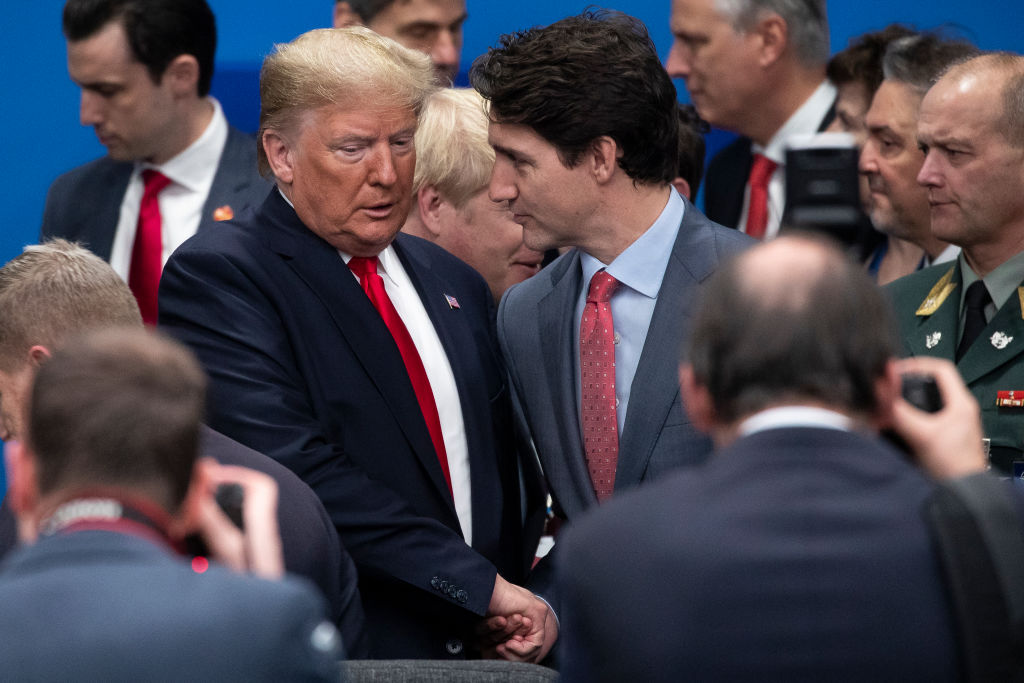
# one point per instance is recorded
(927, 307)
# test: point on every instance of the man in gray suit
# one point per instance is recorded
(145, 68)
(107, 483)
(584, 126)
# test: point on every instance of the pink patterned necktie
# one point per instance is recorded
(365, 269)
(597, 378)
(147, 252)
(757, 214)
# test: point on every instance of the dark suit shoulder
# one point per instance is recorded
(725, 180)
(158, 615)
(91, 174)
(75, 198)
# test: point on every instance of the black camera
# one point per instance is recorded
(922, 392)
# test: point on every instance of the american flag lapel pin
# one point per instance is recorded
(452, 301)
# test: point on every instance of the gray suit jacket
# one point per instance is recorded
(108, 606)
(84, 204)
(535, 329)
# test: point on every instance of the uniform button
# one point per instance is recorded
(454, 646)
(616, 339)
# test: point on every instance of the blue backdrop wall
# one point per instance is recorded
(42, 136)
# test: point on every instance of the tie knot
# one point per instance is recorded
(602, 286)
(154, 181)
(761, 170)
(363, 266)
(977, 296)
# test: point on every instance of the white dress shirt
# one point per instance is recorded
(406, 301)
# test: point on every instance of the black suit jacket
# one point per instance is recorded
(793, 554)
(303, 368)
(308, 541)
(84, 204)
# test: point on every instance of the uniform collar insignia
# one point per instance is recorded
(1000, 340)
(932, 340)
(938, 294)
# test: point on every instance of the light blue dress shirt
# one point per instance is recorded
(640, 270)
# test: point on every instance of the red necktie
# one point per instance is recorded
(597, 379)
(147, 252)
(373, 284)
(757, 214)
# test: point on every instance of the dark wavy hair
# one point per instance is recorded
(597, 73)
(157, 30)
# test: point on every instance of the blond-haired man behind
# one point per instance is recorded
(451, 207)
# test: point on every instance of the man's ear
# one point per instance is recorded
(888, 387)
(182, 74)
(279, 155)
(429, 201)
(345, 16)
(696, 400)
(773, 33)
(604, 158)
(37, 355)
(22, 489)
(682, 187)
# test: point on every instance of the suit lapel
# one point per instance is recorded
(656, 383)
(233, 179)
(937, 318)
(322, 269)
(100, 222)
(557, 318)
(1001, 341)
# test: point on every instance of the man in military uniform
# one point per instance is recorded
(971, 130)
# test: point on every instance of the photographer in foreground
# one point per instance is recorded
(802, 550)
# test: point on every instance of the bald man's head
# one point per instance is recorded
(791, 321)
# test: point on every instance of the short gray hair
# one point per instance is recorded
(806, 21)
(919, 60)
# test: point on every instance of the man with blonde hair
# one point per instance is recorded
(363, 359)
(452, 209)
(57, 290)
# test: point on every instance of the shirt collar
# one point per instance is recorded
(387, 262)
(195, 167)
(795, 416)
(807, 118)
(642, 265)
(1001, 283)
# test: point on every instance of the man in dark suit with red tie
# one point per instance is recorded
(174, 165)
(363, 361)
(757, 68)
